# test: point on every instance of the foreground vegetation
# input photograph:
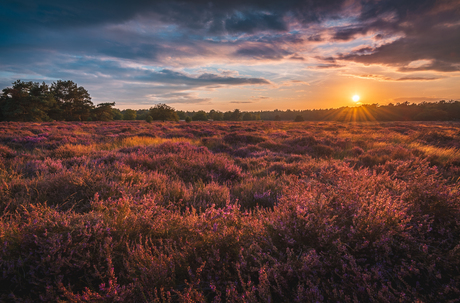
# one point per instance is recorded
(229, 212)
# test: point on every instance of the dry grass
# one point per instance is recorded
(144, 141)
(78, 150)
(444, 154)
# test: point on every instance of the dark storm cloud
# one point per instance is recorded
(255, 22)
(27, 22)
(236, 16)
(428, 30)
(346, 34)
(441, 47)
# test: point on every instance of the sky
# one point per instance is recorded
(246, 54)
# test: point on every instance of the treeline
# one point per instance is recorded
(163, 112)
(61, 101)
(425, 111)
(66, 101)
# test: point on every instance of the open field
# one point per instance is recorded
(230, 212)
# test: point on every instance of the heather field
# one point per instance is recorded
(229, 212)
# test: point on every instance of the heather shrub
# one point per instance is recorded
(243, 139)
(276, 146)
(359, 214)
(437, 138)
(362, 143)
(6, 152)
(141, 212)
(380, 155)
(66, 189)
(186, 162)
(357, 151)
(42, 167)
(259, 192)
(323, 151)
(70, 151)
(246, 151)
(206, 195)
(212, 143)
(304, 140)
(51, 251)
(304, 167)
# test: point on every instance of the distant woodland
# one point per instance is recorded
(66, 101)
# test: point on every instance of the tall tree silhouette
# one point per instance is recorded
(163, 112)
(26, 101)
(74, 102)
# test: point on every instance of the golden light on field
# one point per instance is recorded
(355, 98)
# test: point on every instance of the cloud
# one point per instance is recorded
(315, 38)
(429, 32)
(242, 102)
(252, 22)
(326, 66)
(178, 98)
(150, 44)
(347, 34)
(167, 31)
(418, 78)
(252, 99)
(262, 52)
(218, 16)
(205, 79)
(387, 78)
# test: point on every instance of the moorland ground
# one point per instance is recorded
(229, 212)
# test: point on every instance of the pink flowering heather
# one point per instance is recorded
(229, 212)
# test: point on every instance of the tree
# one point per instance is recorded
(141, 114)
(74, 102)
(129, 114)
(227, 116)
(216, 115)
(188, 119)
(26, 101)
(163, 112)
(117, 115)
(236, 115)
(248, 117)
(299, 118)
(181, 114)
(103, 112)
(200, 116)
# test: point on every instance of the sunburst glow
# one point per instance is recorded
(355, 98)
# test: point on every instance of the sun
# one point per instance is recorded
(355, 98)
